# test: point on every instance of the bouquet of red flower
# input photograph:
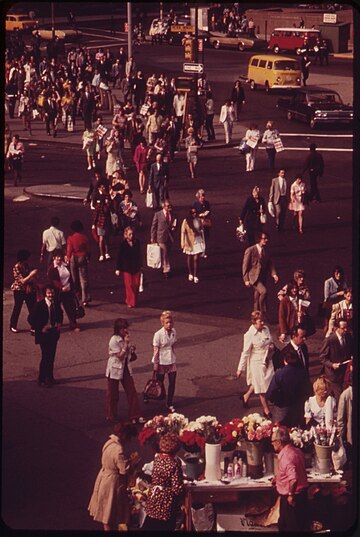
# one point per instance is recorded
(192, 441)
(230, 433)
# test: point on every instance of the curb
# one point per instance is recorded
(56, 196)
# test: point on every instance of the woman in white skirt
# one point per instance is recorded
(297, 195)
(255, 359)
(192, 243)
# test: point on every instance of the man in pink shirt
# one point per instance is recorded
(291, 483)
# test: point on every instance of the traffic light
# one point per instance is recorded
(189, 49)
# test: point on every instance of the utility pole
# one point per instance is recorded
(196, 53)
(52, 20)
(129, 20)
(161, 11)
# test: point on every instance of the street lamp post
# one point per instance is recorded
(52, 20)
(129, 20)
(161, 11)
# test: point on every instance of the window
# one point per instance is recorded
(262, 63)
(276, 34)
(286, 65)
(255, 62)
(269, 65)
(287, 34)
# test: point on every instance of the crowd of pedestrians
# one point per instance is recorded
(152, 117)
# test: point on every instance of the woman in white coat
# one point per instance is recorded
(254, 358)
(119, 369)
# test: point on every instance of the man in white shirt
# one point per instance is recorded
(279, 197)
(179, 108)
(52, 239)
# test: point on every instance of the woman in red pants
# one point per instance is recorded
(129, 263)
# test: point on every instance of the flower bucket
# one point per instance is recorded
(323, 458)
(194, 465)
(276, 464)
(254, 459)
(269, 462)
(212, 462)
(308, 459)
(226, 453)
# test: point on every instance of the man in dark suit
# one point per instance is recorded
(335, 350)
(50, 111)
(87, 107)
(46, 318)
(159, 179)
(256, 264)
(297, 348)
(162, 229)
(314, 164)
(288, 390)
(278, 196)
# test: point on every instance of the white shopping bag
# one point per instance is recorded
(153, 256)
(141, 283)
(149, 200)
(271, 209)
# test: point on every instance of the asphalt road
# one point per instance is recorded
(52, 438)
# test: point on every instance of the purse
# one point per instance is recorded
(262, 218)
(79, 309)
(206, 222)
(154, 389)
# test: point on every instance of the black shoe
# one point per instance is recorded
(32, 331)
(245, 404)
(268, 416)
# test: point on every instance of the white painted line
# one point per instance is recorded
(102, 36)
(335, 150)
(21, 198)
(316, 135)
(340, 150)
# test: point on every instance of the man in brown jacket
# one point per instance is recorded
(256, 264)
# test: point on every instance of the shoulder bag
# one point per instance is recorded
(154, 389)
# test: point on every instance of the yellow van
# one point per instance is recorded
(274, 72)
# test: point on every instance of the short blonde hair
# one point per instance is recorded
(255, 315)
(167, 314)
(321, 386)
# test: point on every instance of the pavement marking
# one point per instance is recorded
(102, 36)
(307, 149)
(299, 134)
(21, 198)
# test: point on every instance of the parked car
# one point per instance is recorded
(67, 34)
(273, 72)
(19, 21)
(317, 107)
(293, 39)
(236, 40)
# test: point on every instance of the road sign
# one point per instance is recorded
(193, 68)
(182, 28)
(189, 49)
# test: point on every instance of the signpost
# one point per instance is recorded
(186, 29)
(194, 68)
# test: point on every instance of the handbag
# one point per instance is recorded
(79, 309)
(133, 356)
(278, 145)
(244, 148)
(154, 389)
(149, 200)
(206, 222)
(153, 257)
(262, 218)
